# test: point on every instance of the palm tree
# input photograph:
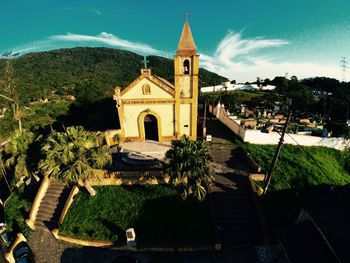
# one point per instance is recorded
(189, 168)
(74, 155)
(16, 153)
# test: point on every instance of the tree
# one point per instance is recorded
(9, 92)
(16, 154)
(189, 168)
(74, 155)
(3, 171)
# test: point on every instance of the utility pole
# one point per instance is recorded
(344, 66)
(213, 98)
(277, 153)
(204, 128)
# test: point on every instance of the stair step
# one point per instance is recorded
(55, 189)
(48, 205)
(45, 214)
(51, 191)
(56, 182)
(51, 197)
(46, 209)
(42, 218)
(49, 202)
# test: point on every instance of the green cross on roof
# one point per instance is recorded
(145, 61)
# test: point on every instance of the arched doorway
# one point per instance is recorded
(151, 127)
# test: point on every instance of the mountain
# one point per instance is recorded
(87, 72)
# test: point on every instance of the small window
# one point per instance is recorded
(182, 93)
(186, 67)
(146, 89)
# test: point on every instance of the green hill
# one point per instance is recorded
(88, 72)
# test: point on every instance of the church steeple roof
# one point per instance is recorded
(186, 45)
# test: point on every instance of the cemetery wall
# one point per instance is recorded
(258, 137)
(225, 119)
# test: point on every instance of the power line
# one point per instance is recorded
(309, 155)
(344, 67)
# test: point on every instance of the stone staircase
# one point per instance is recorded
(51, 206)
(237, 221)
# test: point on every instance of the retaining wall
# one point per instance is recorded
(82, 242)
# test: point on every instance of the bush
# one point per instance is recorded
(17, 209)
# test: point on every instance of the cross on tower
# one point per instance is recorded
(186, 15)
(145, 61)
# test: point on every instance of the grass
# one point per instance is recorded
(299, 175)
(299, 169)
(158, 215)
(17, 209)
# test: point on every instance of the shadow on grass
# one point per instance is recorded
(96, 116)
(238, 160)
(170, 221)
(121, 239)
(283, 207)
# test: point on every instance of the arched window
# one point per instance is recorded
(146, 89)
(186, 67)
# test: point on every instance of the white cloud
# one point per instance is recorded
(236, 58)
(233, 45)
(108, 39)
(96, 12)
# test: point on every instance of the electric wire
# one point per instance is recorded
(309, 155)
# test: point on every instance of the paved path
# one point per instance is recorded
(151, 148)
(45, 247)
(237, 220)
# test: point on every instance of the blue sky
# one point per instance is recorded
(241, 39)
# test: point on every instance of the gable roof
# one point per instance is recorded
(160, 82)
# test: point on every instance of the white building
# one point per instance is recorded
(231, 87)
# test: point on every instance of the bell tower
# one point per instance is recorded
(186, 66)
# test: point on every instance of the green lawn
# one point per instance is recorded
(158, 215)
(300, 169)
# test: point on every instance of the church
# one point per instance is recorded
(152, 108)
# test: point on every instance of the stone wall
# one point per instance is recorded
(258, 137)
(225, 119)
